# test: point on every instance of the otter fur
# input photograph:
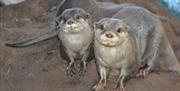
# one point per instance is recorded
(150, 37)
(114, 50)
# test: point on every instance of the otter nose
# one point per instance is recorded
(70, 22)
(109, 35)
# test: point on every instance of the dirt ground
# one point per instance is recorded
(40, 67)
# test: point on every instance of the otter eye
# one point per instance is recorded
(119, 30)
(63, 19)
(101, 27)
(78, 17)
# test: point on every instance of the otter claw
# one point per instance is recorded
(83, 69)
(142, 73)
(98, 87)
(71, 70)
(120, 89)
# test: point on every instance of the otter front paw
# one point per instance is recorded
(120, 89)
(71, 70)
(142, 72)
(99, 87)
(83, 69)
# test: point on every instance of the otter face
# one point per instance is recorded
(73, 20)
(110, 31)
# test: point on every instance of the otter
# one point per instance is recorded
(114, 50)
(76, 37)
(74, 30)
(151, 40)
(100, 12)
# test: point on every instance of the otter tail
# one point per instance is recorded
(169, 57)
(40, 38)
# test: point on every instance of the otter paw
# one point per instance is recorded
(82, 69)
(142, 73)
(71, 70)
(120, 89)
(98, 87)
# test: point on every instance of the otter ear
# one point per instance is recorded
(98, 26)
(57, 21)
(95, 24)
(59, 18)
(126, 26)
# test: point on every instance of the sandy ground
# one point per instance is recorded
(40, 67)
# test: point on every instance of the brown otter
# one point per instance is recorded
(114, 50)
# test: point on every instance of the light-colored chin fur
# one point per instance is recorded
(108, 43)
(72, 28)
(75, 28)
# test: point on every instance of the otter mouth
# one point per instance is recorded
(72, 28)
(108, 42)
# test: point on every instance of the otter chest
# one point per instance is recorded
(74, 42)
(109, 56)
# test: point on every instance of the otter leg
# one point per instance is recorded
(102, 82)
(152, 63)
(154, 38)
(169, 57)
(71, 70)
(121, 80)
(83, 65)
(83, 68)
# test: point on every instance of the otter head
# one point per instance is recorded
(73, 20)
(110, 31)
